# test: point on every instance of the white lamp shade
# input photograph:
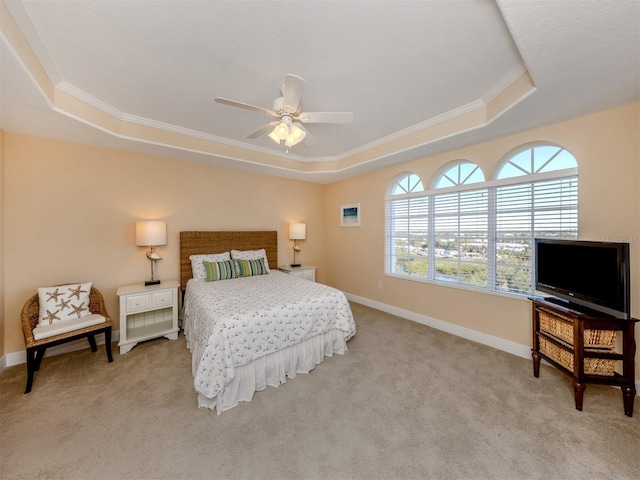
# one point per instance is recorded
(273, 136)
(295, 137)
(297, 231)
(281, 131)
(151, 233)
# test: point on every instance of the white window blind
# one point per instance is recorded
(481, 235)
(460, 231)
(546, 208)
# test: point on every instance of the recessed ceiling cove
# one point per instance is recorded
(399, 80)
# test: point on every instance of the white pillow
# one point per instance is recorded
(63, 302)
(251, 255)
(197, 263)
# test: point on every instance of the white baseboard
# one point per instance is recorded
(498, 343)
(17, 358)
(523, 351)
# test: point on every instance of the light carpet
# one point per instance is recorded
(405, 402)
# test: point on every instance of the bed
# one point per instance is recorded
(257, 330)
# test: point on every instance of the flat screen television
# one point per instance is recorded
(588, 274)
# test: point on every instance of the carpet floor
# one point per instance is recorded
(405, 402)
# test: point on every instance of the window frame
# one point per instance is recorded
(491, 186)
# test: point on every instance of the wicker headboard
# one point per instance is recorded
(197, 243)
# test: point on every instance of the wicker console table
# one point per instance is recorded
(584, 346)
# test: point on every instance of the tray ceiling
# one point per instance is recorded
(420, 77)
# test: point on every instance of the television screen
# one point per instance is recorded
(591, 274)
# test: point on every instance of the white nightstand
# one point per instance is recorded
(147, 312)
(308, 272)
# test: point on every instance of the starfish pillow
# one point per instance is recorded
(63, 302)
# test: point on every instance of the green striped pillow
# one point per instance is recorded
(219, 270)
(249, 268)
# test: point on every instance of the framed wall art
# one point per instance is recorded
(350, 215)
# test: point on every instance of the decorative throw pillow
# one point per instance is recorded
(63, 302)
(249, 268)
(251, 255)
(220, 270)
(197, 265)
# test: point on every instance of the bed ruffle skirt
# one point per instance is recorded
(275, 368)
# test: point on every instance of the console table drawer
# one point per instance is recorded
(565, 357)
(563, 327)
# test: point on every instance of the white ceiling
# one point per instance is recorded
(409, 71)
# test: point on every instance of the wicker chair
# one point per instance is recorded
(37, 348)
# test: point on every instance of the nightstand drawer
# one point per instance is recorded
(162, 298)
(136, 303)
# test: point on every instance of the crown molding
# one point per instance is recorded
(66, 99)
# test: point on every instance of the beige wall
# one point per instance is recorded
(71, 213)
(607, 147)
(2, 250)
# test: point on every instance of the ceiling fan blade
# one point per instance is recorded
(262, 130)
(326, 117)
(246, 106)
(292, 92)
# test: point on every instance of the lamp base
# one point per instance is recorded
(295, 265)
(151, 282)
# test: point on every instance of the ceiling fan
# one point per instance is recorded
(289, 119)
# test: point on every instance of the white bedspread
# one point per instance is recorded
(230, 323)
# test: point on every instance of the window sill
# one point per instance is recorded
(468, 288)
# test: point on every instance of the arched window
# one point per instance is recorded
(472, 232)
(543, 203)
(407, 183)
(460, 225)
(459, 173)
(406, 218)
(536, 159)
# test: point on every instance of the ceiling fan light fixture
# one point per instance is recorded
(295, 137)
(281, 131)
(274, 137)
(291, 134)
(288, 126)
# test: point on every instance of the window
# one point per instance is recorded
(408, 217)
(460, 226)
(460, 173)
(407, 183)
(478, 233)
